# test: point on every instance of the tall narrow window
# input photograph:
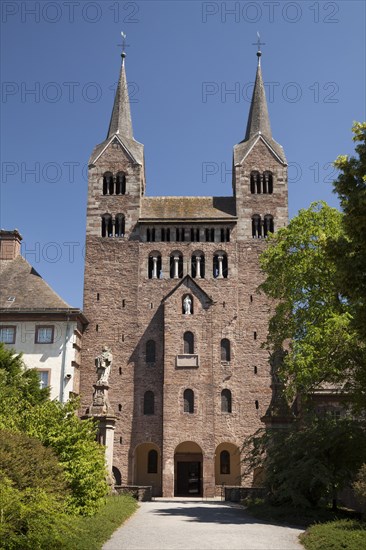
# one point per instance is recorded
(268, 226)
(255, 182)
(256, 226)
(188, 401)
(176, 265)
(268, 182)
(226, 401)
(162, 234)
(150, 351)
(121, 183)
(108, 183)
(224, 462)
(198, 265)
(225, 350)
(149, 403)
(119, 225)
(188, 340)
(152, 462)
(220, 265)
(107, 225)
(154, 266)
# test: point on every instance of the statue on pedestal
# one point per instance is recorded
(103, 365)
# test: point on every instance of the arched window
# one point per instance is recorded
(117, 475)
(150, 351)
(188, 401)
(188, 340)
(220, 265)
(121, 183)
(224, 462)
(152, 462)
(255, 182)
(149, 403)
(107, 226)
(198, 265)
(256, 226)
(176, 265)
(268, 225)
(108, 183)
(154, 266)
(268, 182)
(225, 350)
(119, 225)
(226, 401)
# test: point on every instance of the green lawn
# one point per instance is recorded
(90, 533)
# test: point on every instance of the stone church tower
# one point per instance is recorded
(170, 288)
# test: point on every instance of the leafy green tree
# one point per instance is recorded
(311, 318)
(360, 484)
(33, 493)
(18, 382)
(26, 408)
(73, 441)
(311, 460)
(350, 250)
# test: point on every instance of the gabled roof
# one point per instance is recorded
(242, 149)
(133, 148)
(193, 286)
(187, 208)
(19, 280)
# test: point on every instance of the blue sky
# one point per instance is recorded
(191, 67)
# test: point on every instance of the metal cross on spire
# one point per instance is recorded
(124, 45)
(258, 44)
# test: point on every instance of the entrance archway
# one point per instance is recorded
(147, 469)
(188, 470)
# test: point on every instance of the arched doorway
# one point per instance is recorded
(227, 464)
(147, 469)
(188, 461)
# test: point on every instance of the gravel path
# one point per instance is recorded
(199, 525)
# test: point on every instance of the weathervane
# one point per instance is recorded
(258, 44)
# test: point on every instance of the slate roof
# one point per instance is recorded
(120, 126)
(258, 126)
(20, 280)
(187, 208)
(121, 114)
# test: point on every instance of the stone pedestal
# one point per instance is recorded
(102, 412)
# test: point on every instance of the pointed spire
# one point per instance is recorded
(121, 122)
(258, 120)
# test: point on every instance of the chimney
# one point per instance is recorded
(9, 244)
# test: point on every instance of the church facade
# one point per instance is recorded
(171, 289)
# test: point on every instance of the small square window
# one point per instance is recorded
(7, 335)
(44, 378)
(44, 335)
